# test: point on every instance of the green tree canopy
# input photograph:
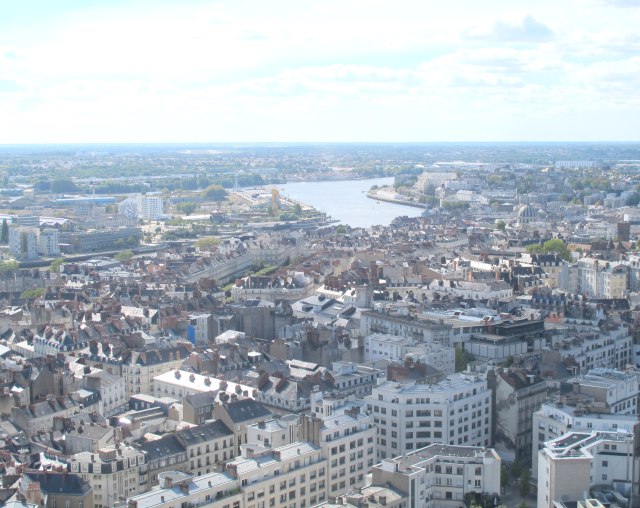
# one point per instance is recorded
(187, 208)
(55, 265)
(523, 484)
(553, 246)
(6, 266)
(207, 242)
(4, 233)
(124, 256)
(32, 293)
(61, 185)
(214, 193)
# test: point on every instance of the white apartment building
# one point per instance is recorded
(574, 462)
(617, 390)
(410, 415)
(283, 476)
(181, 383)
(150, 207)
(383, 346)
(492, 290)
(113, 473)
(439, 476)
(144, 366)
(217, 490)
(557, 418)
(434, 178)
(23, 242)
(342, 429)
(280, 431)
(142, 207)
(112, 391)
(426, 330)
(346, 435)
(291, 475)
(49, 242)
(350, 378)
(590, 347)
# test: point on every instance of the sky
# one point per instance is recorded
(140, 71)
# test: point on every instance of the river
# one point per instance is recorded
(346, 201)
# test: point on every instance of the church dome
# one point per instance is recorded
(526, 213)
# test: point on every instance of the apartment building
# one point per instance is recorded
(208, 446)
(290, 475)
(411, 415)
(346, 434)
(294, 474)
(112, 473)
(578, 415)
(517, 394)
(23, 242)
(217, 490)
(350, 378)
(280, 431)
(439, 476)
(425, 330)
(379, 346)
(597, 278)
(584, 345)
(182, 383)
(238, 415)
(574, 462)
(143, 366)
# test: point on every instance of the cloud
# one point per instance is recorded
(618, 3)
(527, 29)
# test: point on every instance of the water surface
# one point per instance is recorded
(347, 201)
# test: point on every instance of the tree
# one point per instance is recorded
(32, 293)
(4, 234)
(7, 266)
(523, 485)
(555, 245)
(504, 475)
(462, 359)
(124, 256)
(187, 208)
(214, 193)
(634, 199)
(297, 210)
(55, 265)
(61, 185)
(501, 225)
(207, 243)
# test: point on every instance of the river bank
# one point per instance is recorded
(387, 197)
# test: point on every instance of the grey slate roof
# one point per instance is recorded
(245, 410)
(205, 432)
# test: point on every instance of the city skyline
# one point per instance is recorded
(246, 71)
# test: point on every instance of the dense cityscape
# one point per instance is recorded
(200, 325)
